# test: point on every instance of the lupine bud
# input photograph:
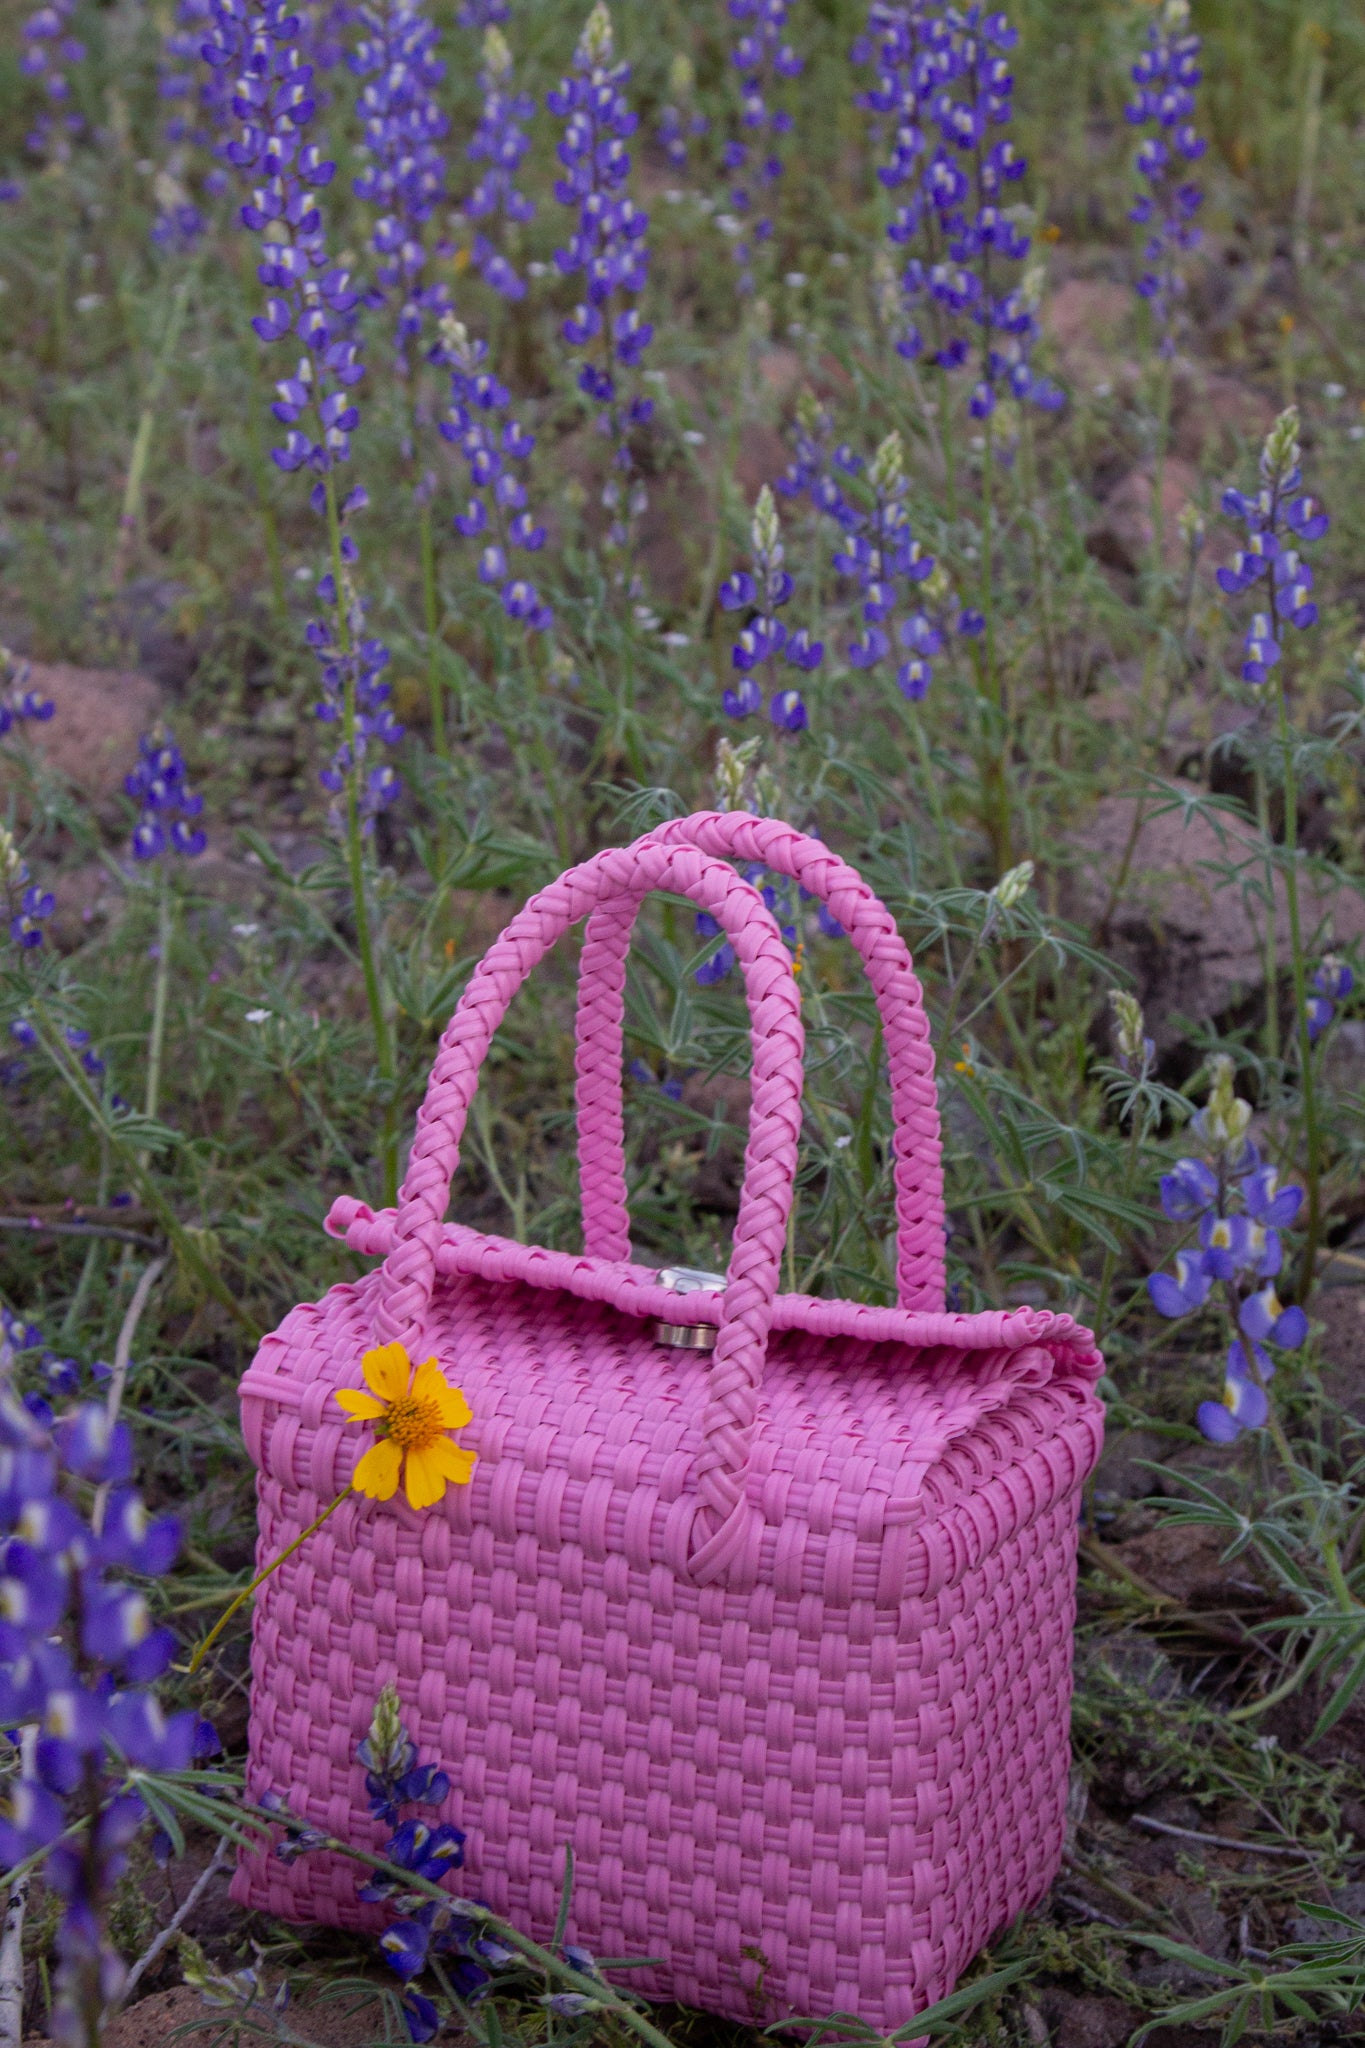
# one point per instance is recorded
(765, 530)
(1281, 452)
(732, 769)
(497, 57)
(682, 76)
(1225, 1117)
(1128, 1022)
(1192, 527)
(1014, 885)
(887, 472)
(595, 44)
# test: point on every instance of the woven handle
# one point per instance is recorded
(769, 1161)
(905, 1032)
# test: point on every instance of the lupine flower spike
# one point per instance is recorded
(761, 593)
(764, 60)
(608, 251)
(499, 143)
(681, 121)
(404, 176)
(881, 553)
(1279, 517)
(947, 71)
(168, 805)
(496, 448)
(1166, 75)
(1239, 1208)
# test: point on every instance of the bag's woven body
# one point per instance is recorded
(776, 1639)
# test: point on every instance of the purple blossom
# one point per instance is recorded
(1279, 511)
(681, 121)
(168, 805)
(760, 593)
(496, 449)
(49, 49)
(607, 250)
(404, 174)
(764, 60)
(1244, 1406)
(879, 551)
(942, 82)
(1163, 104)
(1332, 982)
(499, 143)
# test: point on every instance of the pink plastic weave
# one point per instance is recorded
(777, 1639)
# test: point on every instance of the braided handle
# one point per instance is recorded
(905, 1032)
(769, 1161)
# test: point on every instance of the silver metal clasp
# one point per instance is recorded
(688, 1280)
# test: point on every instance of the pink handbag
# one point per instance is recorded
(776, 1635)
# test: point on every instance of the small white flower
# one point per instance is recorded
(729, 225)
(654, 377)
(839, 259)
(303, 575)
(1104, 390)
(538, 269)
(677, 639)
(1334, 390)
(1355, 433)
(673, 197)
(842, 1144)
(257, 1016)
(693, 438)
(245, 931)
(795, 279)
(88, 301)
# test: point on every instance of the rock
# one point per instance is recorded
(1184, 1561)
(1088, 2022)
(1122, 535)
(153, 2021)
(1341, 1348)
(1086, 318)
(1194, 948)
(92, 736)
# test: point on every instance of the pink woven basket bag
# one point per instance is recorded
(776, 1636)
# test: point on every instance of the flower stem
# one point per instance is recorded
(995, 791)
(156, 1042)
(1299, 971)
(435, 687)
(225, 1617)
(355, 859)
(130, 516)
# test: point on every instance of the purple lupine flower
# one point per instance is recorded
(1332, 982)
(76, 1653)
(482, 13)
(167, 803)
(1276, 516)
(27, 903)
(198, 115)
(1165, 76)
(681, 121)
(311, 301)
(499, 143)
(1240, 1209)
(404, 173)
(20, 704)
(946, 71)
(495, 448)
(764, 60)
(816, 466)
(760, 593)
(607, 249)
(881, 553)
(49, 50)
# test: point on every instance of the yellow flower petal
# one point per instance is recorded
(431, 1384)
(377, 1473)
(424, 1482)
(386, 1371)
(360, 1407)
(456, 1463)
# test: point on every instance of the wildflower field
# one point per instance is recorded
(442, 439)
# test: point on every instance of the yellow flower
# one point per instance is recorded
(413, 1408)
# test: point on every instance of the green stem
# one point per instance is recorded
(225, 1617)
(995, 793)
(156, 1041)
(932, 789)
(1299, 971)
(130, 517)
(435, 687)
(355, 859)
(1272, 956)
(1130, 1168)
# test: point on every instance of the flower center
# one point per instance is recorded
(412, 1424)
